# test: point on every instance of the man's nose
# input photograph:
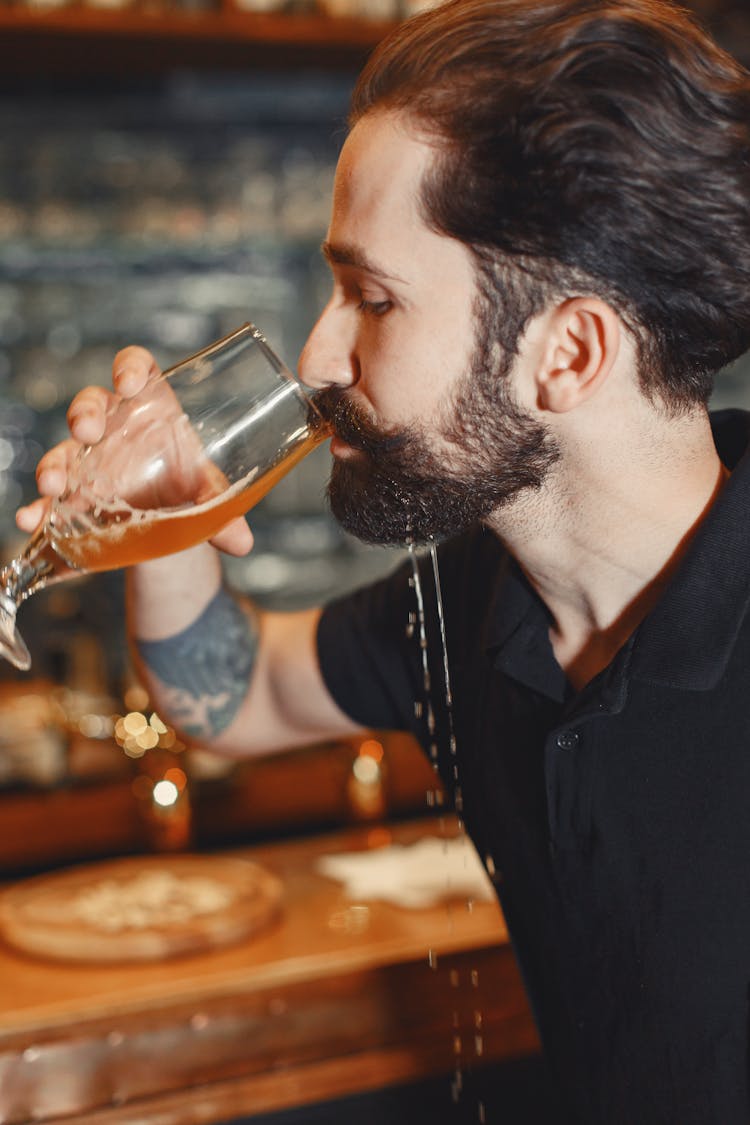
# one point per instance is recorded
(328, 358)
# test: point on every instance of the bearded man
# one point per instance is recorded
(540, 257)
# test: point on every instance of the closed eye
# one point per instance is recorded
(374, 308)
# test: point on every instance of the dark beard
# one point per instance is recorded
(396, 490)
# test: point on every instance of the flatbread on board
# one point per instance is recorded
(140, 908)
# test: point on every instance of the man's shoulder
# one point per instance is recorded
(731, 432)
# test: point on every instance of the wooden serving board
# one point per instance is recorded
(142, 908)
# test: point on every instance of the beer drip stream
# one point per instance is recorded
(417, 626)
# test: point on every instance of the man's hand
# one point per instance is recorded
(133, 367)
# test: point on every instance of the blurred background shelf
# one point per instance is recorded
(90, 41)
(113, 39)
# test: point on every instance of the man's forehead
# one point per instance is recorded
(378, 222)
(377, 191)
(384, 155)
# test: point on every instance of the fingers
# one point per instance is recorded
(87, 414)
(29, 518)
(51, 478)
(87, 419)
(52, 470)
(234, 539)
(131, 370)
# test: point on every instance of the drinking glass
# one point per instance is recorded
(200, 444)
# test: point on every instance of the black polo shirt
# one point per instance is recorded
(617, 819)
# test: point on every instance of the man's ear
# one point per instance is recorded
(582, 344)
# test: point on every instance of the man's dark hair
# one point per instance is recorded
(587, 146)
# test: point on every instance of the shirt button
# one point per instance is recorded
(568, 739)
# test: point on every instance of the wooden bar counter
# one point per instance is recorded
(335, 996)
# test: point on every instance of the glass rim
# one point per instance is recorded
(251, 330)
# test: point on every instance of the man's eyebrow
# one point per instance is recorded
(345, 254)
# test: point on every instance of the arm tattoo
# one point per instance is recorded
(207, 668)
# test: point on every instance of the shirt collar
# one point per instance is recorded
(517, 634)
(687, 639)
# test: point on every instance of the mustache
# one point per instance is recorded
(354, 426)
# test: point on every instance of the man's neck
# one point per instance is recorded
(600, 544)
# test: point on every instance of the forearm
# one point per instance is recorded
(224, 675)
(193, 643)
